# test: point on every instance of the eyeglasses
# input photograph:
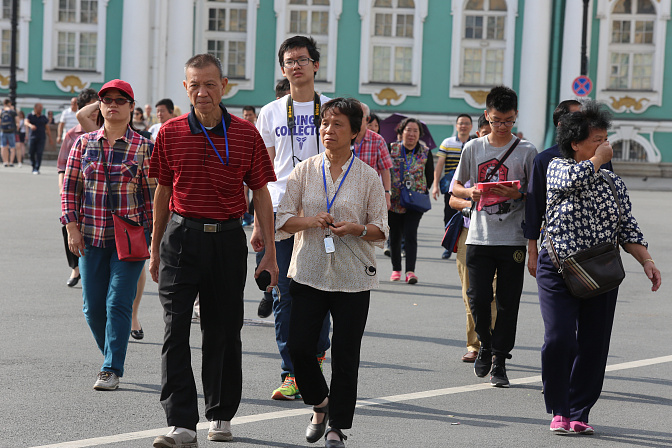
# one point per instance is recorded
(289, 63)
(496, 124)
(120, 101)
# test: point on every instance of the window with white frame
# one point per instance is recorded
(632, 38)
(6, 34)
(629, 151)
(483, 43)
(317, 19)
(391, 49)
(226, 35)
(73, 42)
(392, 41)
(632, 48)
(76, 32)
(228, 30)
(482, 46)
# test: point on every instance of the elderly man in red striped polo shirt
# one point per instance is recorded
(201, 160)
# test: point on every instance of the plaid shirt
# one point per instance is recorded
(85, 195)
(372, 150)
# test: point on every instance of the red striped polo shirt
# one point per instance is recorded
(203, 186)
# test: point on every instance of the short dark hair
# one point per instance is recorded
(166, 102)
(502, 99)
(401, 126)
(482, 121)
(203, 60)
(373, 117)
(282, 88)
(349, 107)
(576, 126)
(7, 102)
(299, 42)
(139, 110)
(464, 115)
(562, 109)
(254, 111)
(85, 97)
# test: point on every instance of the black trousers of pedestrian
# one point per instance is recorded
(405, 224)
(214, 266)
(448, 211)
(482, 263)
(576, 343)
(349, 312)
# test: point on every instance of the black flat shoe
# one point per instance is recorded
(72, 281)
(137, 334)
(315, 431)
(335, 443)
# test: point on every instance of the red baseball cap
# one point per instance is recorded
(118, 84)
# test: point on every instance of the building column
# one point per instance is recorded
(571, 47)
(135, 49)
(532, 97)
(180, 46)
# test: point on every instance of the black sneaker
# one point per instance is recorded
(498, 376)
(483, 362)
(265, 307)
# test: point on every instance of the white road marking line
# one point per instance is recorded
(97, 441)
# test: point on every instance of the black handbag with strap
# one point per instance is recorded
(593, 271)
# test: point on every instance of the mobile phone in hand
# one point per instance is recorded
(264, 280)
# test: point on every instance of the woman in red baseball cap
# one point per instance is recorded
(87, 203)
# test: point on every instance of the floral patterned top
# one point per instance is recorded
(415, 172)
(581, 209)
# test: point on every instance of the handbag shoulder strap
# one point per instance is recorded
(107, 176)
(502, 160)
(610, 181)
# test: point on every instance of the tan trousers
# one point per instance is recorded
(473, 344)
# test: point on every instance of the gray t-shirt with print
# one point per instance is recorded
(499, 224)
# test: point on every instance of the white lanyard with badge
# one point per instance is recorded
(328, 240)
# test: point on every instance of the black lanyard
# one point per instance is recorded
(291, 122)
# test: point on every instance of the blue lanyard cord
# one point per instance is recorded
(403, 149)
(226, 142)
(358, 153)
(324, 178)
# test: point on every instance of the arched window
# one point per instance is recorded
(483, 43)
(317, 19)
(629, 151)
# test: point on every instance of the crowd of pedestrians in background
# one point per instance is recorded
(326, 190)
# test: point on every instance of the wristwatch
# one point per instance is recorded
(363, 232)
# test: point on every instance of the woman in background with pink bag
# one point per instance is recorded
(108, 284)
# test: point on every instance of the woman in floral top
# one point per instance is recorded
(581, 212)
(413, 165)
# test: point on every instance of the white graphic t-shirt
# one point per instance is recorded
(272, 125)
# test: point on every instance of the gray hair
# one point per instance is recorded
(203, 60)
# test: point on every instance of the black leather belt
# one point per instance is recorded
(215, 227)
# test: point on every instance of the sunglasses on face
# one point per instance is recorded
(120, 101)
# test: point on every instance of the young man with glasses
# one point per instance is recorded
(495, 242)
(290, 129)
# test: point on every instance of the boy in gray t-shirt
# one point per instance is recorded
(495, 242)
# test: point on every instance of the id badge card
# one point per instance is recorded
(329, 245)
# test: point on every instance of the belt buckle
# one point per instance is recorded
(210, 228)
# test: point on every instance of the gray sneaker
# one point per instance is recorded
(175, 440)
(220, 431)
(106, 381)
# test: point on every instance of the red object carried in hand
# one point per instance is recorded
(488, 197)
